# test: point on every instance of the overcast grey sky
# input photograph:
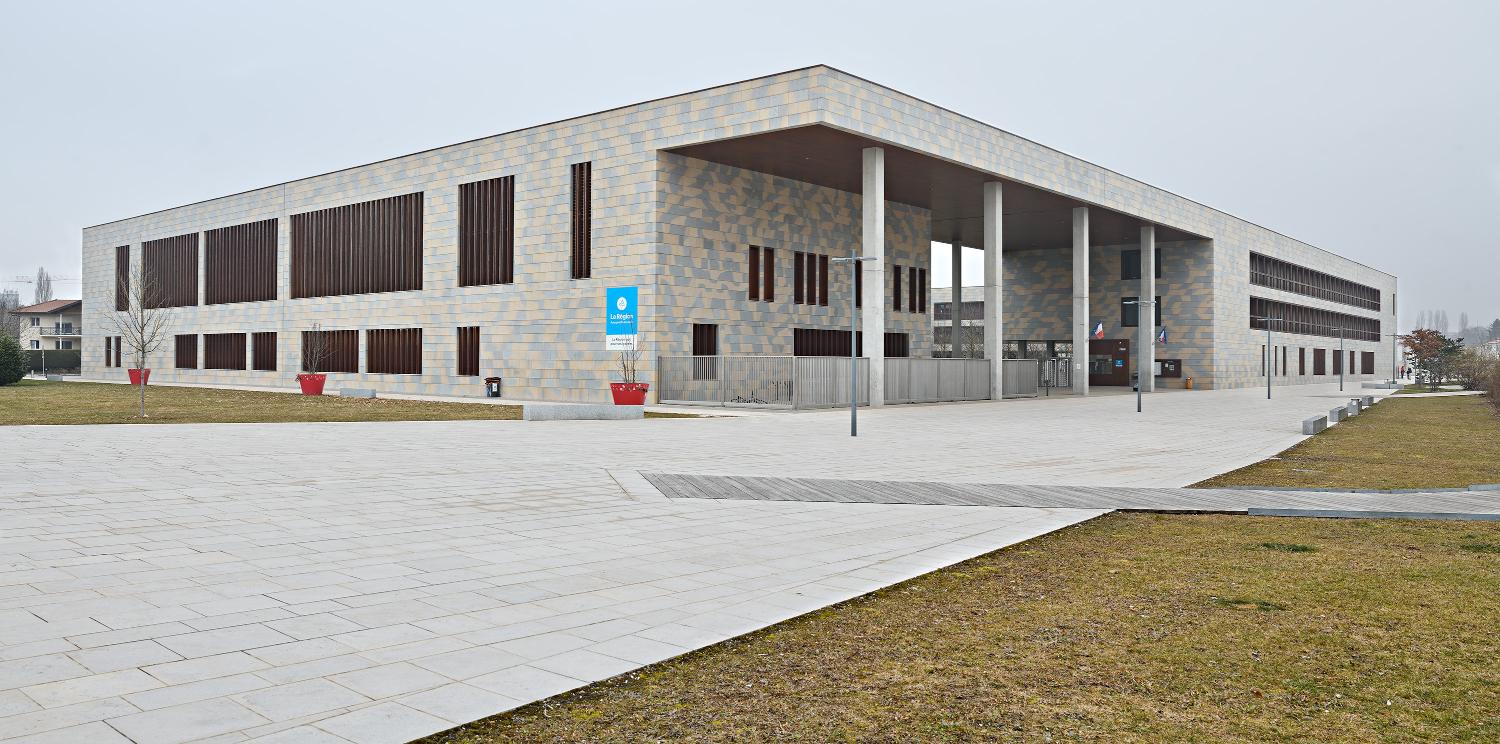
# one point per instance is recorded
(1371, 129)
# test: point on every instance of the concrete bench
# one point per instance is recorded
(580, 412)
(1336, 415)
(1352, 409)
(1314, 425)
(356, 393)
(1368, 400)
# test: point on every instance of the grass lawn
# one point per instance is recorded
(1131, 627)
(37, 402)
(1448, 442)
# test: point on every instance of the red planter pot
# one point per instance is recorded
(139, 376)
(312, 384)
(629, 393)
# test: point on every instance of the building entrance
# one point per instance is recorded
(1109, 361)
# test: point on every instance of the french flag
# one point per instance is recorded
(1099, 330)
(1161, 336)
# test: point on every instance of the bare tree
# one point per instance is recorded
(142, 327)
(316, 350)
(10, 323)
(42, 286)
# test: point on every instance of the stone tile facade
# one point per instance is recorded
(669, 226)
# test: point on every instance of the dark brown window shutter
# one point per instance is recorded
(263, 351)
(187, 351)
(468, 351)
(343, 347)
(768, 275)
(911, 292)
(224, 351)
(798, 267)
(896, 288)
(486, 232)
(240, 263)
(122, 278)
(169, 266)
(753, 268)
(582, 220)
(393, 351)
(373, 246)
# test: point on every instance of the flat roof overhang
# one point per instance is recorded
(826, 156)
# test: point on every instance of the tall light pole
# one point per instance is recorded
(1150, 307)
(1343, 359)
(1269, 361)
(854, 260)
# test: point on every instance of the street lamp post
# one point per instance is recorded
(854, 260)
(1269, 361)
(1343, 359)
(1139, 372)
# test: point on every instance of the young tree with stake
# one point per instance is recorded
(142, 326)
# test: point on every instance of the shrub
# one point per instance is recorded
(13, 362)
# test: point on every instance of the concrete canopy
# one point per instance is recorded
(826, 156)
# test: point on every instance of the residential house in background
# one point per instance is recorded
(51, 325)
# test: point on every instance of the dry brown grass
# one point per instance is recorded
(1132, 627)
(1447, 442)
(35, 402)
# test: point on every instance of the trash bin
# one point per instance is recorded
(1188, 383)
(492, 387)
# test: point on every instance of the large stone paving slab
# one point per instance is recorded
(370, 613)
(377, 582)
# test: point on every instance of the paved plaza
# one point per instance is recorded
(377, 582)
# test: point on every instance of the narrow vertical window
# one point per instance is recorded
(823, 280)
(582, 222)
(122, 278)
(911, 292)
(109, 347)
(468, 351)
(768, 274)
(753, 265)
(486, 236)
(798, 263)
(859, 283)
(119, 352)
(705, 351)
(1301, 360)
(812, 279)
(263, 351)
(896, 288)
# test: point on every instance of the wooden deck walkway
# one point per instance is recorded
(1437, 504)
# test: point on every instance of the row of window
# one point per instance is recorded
(1320, 361)
(1285, 317)
(373, 246)
(1275, 273)
(810, 280)
(392, 351)
(916, 294)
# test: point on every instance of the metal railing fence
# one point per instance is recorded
(921, 380)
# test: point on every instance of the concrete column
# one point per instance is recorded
(958, 297)
(1081, 327)
(872, 245)
(1147, 356)
(994, 329)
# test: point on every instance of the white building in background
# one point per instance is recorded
(52, 325)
